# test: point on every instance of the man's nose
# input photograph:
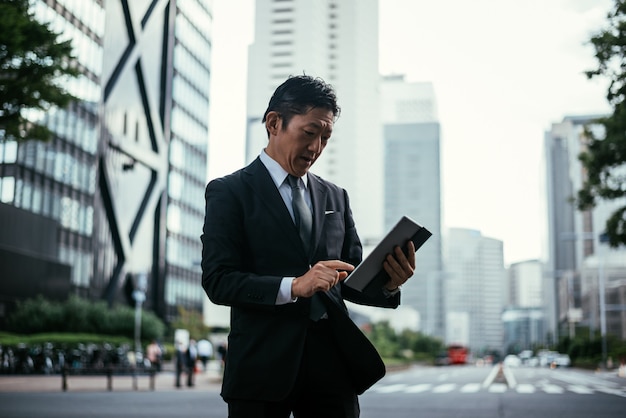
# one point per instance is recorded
(316, 144)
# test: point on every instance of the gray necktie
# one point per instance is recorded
(304, 223)
(301, 212)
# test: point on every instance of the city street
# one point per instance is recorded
(444, 392)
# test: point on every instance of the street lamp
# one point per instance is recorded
(139, 294)
(603, 239)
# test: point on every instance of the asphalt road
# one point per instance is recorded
(445, 392)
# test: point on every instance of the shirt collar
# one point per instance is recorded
(278, 173)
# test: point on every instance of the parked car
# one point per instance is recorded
(442, 359)
(525, 356)
(562, 360)
(546, 358)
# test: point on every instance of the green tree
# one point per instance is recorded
(407, 344)
(192, 321)
(605, 156)
(33, 64)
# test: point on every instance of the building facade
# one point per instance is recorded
(579, 263)
(474, 289)
(124, 176)
(412, 187)
(524, 315)
(526, 284)
(524, 329)
(337, 41)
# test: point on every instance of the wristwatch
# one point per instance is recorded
(389, 293)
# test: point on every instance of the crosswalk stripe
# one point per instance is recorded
(418, 388)
(611, 391)
(445, 388)
(580, 389)
(471, 388)
(498, 388)
(391, 388)
(525, 388)
(522, 388)
(548, 388)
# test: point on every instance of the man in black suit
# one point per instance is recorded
(292, 346)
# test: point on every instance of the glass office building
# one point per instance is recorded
(119, 190)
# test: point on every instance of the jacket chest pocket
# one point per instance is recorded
(332, 236)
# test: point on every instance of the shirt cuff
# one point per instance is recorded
(284, 292)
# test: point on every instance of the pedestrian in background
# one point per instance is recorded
(180, 361)
(154, 354)
(191, 358)
(205, 352)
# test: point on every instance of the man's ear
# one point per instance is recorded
(273, 122)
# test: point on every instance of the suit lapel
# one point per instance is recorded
(318, 198)
(261, 184)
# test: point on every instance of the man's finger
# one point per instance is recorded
(411, 257)
(337, 265)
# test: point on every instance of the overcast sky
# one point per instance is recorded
(502, 70)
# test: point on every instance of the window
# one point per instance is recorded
(7, 189)
(8, 152)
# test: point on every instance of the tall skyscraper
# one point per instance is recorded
(526, 284)
(569, 235)
(412, 187)
(578, 260)
(338, 41)
(474, 289)
(125, 173)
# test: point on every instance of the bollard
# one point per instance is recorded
(152, 375)
(109, 379)
(64, 378)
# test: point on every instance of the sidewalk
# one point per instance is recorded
(211, 380)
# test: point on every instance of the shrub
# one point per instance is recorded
(76, 315)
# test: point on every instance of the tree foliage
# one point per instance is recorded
(605, 157)
(407, 345)
(192, 321)
(33, 64)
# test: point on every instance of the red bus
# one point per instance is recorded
(457, 354)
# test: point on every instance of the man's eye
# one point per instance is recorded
(309, 133)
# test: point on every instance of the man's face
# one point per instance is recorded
(298, 145)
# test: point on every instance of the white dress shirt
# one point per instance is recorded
(279, 176)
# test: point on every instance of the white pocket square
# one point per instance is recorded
(328, 212)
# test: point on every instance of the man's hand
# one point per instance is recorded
(322, 276)
(399, 267)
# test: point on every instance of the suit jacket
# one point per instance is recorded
(249, 244)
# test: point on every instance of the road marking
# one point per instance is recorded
(418, 388)
(510, 379)
(610, 391)
(471, 388)
(445, 388)
(492, 375)
(498, 388)
(525, 388)
(584, 390)
(391, 388)
(521, 388)
(548, 388)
